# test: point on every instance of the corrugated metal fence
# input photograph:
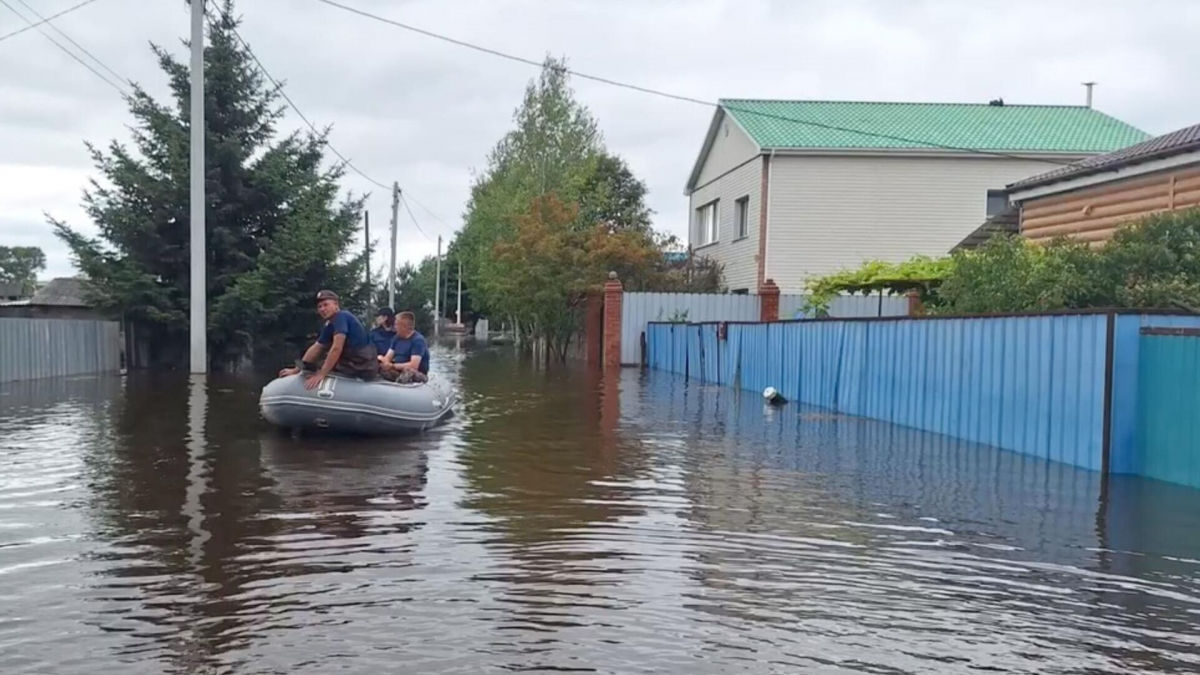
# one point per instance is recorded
(1062, 387)
(1168, 445)
(37, 348)
(640, 309)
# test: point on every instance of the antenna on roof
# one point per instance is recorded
(1089, 86)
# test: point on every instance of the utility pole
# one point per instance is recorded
(458, 318)
(197, 326)
(437, 292)
(392, 269)
(367, 246)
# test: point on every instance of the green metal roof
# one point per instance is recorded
(1029, 128)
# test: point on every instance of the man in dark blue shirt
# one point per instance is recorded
(408, 359)
(384, 331)
(343, 341)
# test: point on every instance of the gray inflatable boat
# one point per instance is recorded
(346, 405)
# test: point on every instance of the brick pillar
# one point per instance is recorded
(915, 308)
(612, 321)
(593, 327)
(768, 298)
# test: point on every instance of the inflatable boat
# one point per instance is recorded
(351, 406)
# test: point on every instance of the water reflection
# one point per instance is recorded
(566, 520)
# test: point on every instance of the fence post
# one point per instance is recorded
(613, 291)
(768, 298)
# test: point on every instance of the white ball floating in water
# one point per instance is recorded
(770, 393)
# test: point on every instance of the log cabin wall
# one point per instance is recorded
(1093, 213)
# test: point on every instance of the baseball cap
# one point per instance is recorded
(386, 311)
(327, 295)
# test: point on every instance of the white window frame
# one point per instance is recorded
(741, 216)
(708, 227)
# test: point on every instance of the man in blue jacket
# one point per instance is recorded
(343, 341)
(408, 359)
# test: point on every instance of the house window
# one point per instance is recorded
(997, 202)
(706, 224)
(741, 212)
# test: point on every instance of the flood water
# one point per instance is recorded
(566, 522)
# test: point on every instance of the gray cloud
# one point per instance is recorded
(408, 108)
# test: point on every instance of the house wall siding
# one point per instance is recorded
(730, 149)
(1093, 213)
(739, 256)
(833, 212)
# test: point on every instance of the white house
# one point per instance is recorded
(788, 190)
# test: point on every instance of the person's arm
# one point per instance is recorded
(310, 355)
(331, 359)
(412, 364)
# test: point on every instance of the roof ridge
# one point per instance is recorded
(723, 101)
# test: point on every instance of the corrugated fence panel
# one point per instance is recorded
(711, 347)
(1126, 410)
(640, 309)
(1031, 384)
(1168, 435)
(36, 348)
(695, 364)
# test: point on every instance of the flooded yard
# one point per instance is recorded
(564, 521)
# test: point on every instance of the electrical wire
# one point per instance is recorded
(684, 98)
(56, 29)
(68, 52)
(279, 87)
(404, 200)
(45, 20)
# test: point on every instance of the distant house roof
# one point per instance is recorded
(1005, 222)
(864, 125)
(11, 290)
(1160, 147)
(61, 292)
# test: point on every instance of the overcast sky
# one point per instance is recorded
(408, 108)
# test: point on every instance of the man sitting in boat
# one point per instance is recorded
(384, 331)
(408, 359)
(343, 341)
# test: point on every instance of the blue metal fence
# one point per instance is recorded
(1061, 387)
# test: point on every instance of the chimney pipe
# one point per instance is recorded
(1089, 86)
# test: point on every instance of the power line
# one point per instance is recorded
(78, 46)
(404, 200)
(292, 104)
(44, 20)
(681, 97)
(279, 87)
(68, 52)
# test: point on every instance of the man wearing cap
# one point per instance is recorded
(384, 331)
(345, 343)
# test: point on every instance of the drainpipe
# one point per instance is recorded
(767, 234)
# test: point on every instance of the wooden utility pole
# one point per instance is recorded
(392, 269)
(367, 245)
(437, 292)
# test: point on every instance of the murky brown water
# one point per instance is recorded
(566, 523)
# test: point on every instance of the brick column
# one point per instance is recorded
(612, 321)
(768, 298)
(915, 307)
(593, 327)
